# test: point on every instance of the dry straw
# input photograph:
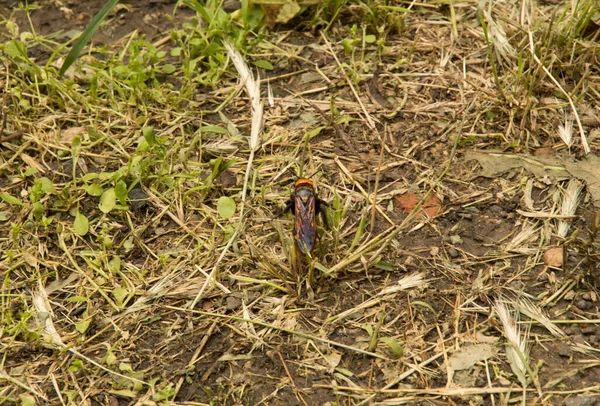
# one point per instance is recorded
(516, 349)
(252, 86)
(568, 206)
(256, 105)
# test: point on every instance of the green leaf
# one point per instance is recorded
(226, 207)
(78, 299)
(102, 176)
(110, 358)
(121, 192)
(214, 129)
(369, 39)
(148, 133)
(76, 365)
(86, 35)
(81, 224)
(395, 346)
(46, 185)
(27, 400)
(314, 132)
(108, 200)
(125, 393)
(115, 264)
(168, 68)
(386, 266)
(321, 267)
(261, 63)
(348, 44)
(10, 199)
(89, 176)
(76, 147)
(83, 325)
(31, 171)
(37, 210)
(94, 189)
(120, 294)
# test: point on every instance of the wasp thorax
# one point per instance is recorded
(303, 193)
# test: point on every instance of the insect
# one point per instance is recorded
(305, 205)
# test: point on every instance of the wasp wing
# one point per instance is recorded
(305, 223)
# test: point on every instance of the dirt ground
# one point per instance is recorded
(429, 296)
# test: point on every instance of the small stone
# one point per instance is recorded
(354, 315)
(233, 303)
(586, 296)
(497, 210)
(583, 304)
(581, 400)
(572, 330)
(452, 252)
(138, 199)
(589, 330)
(466, 216)
(554, 257)
(564, 350)
(569, 295)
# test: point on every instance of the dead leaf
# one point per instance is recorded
(333, 359)
(482, 338)
(432, 206)
(67, 136)
(466, 357)
(544, 151)
(30, 258)
(32, 163)
(555, 168)
(554, 257)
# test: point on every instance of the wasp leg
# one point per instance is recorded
(320, 210)
(289, 207)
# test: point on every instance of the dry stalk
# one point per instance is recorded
(253, 90)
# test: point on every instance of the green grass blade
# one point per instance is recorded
(86, 35)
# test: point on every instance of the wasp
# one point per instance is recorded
(305, 205)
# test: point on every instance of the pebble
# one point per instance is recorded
(572, 330)
(233, 303)
(581, 400)
(466, 216)
(586, 296)
(564, 350)
(354, 315)
(583, 304)
(589, 330)
(452, 252)
(498, 210)
(138, 199)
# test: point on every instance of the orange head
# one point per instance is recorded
(303, 182)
